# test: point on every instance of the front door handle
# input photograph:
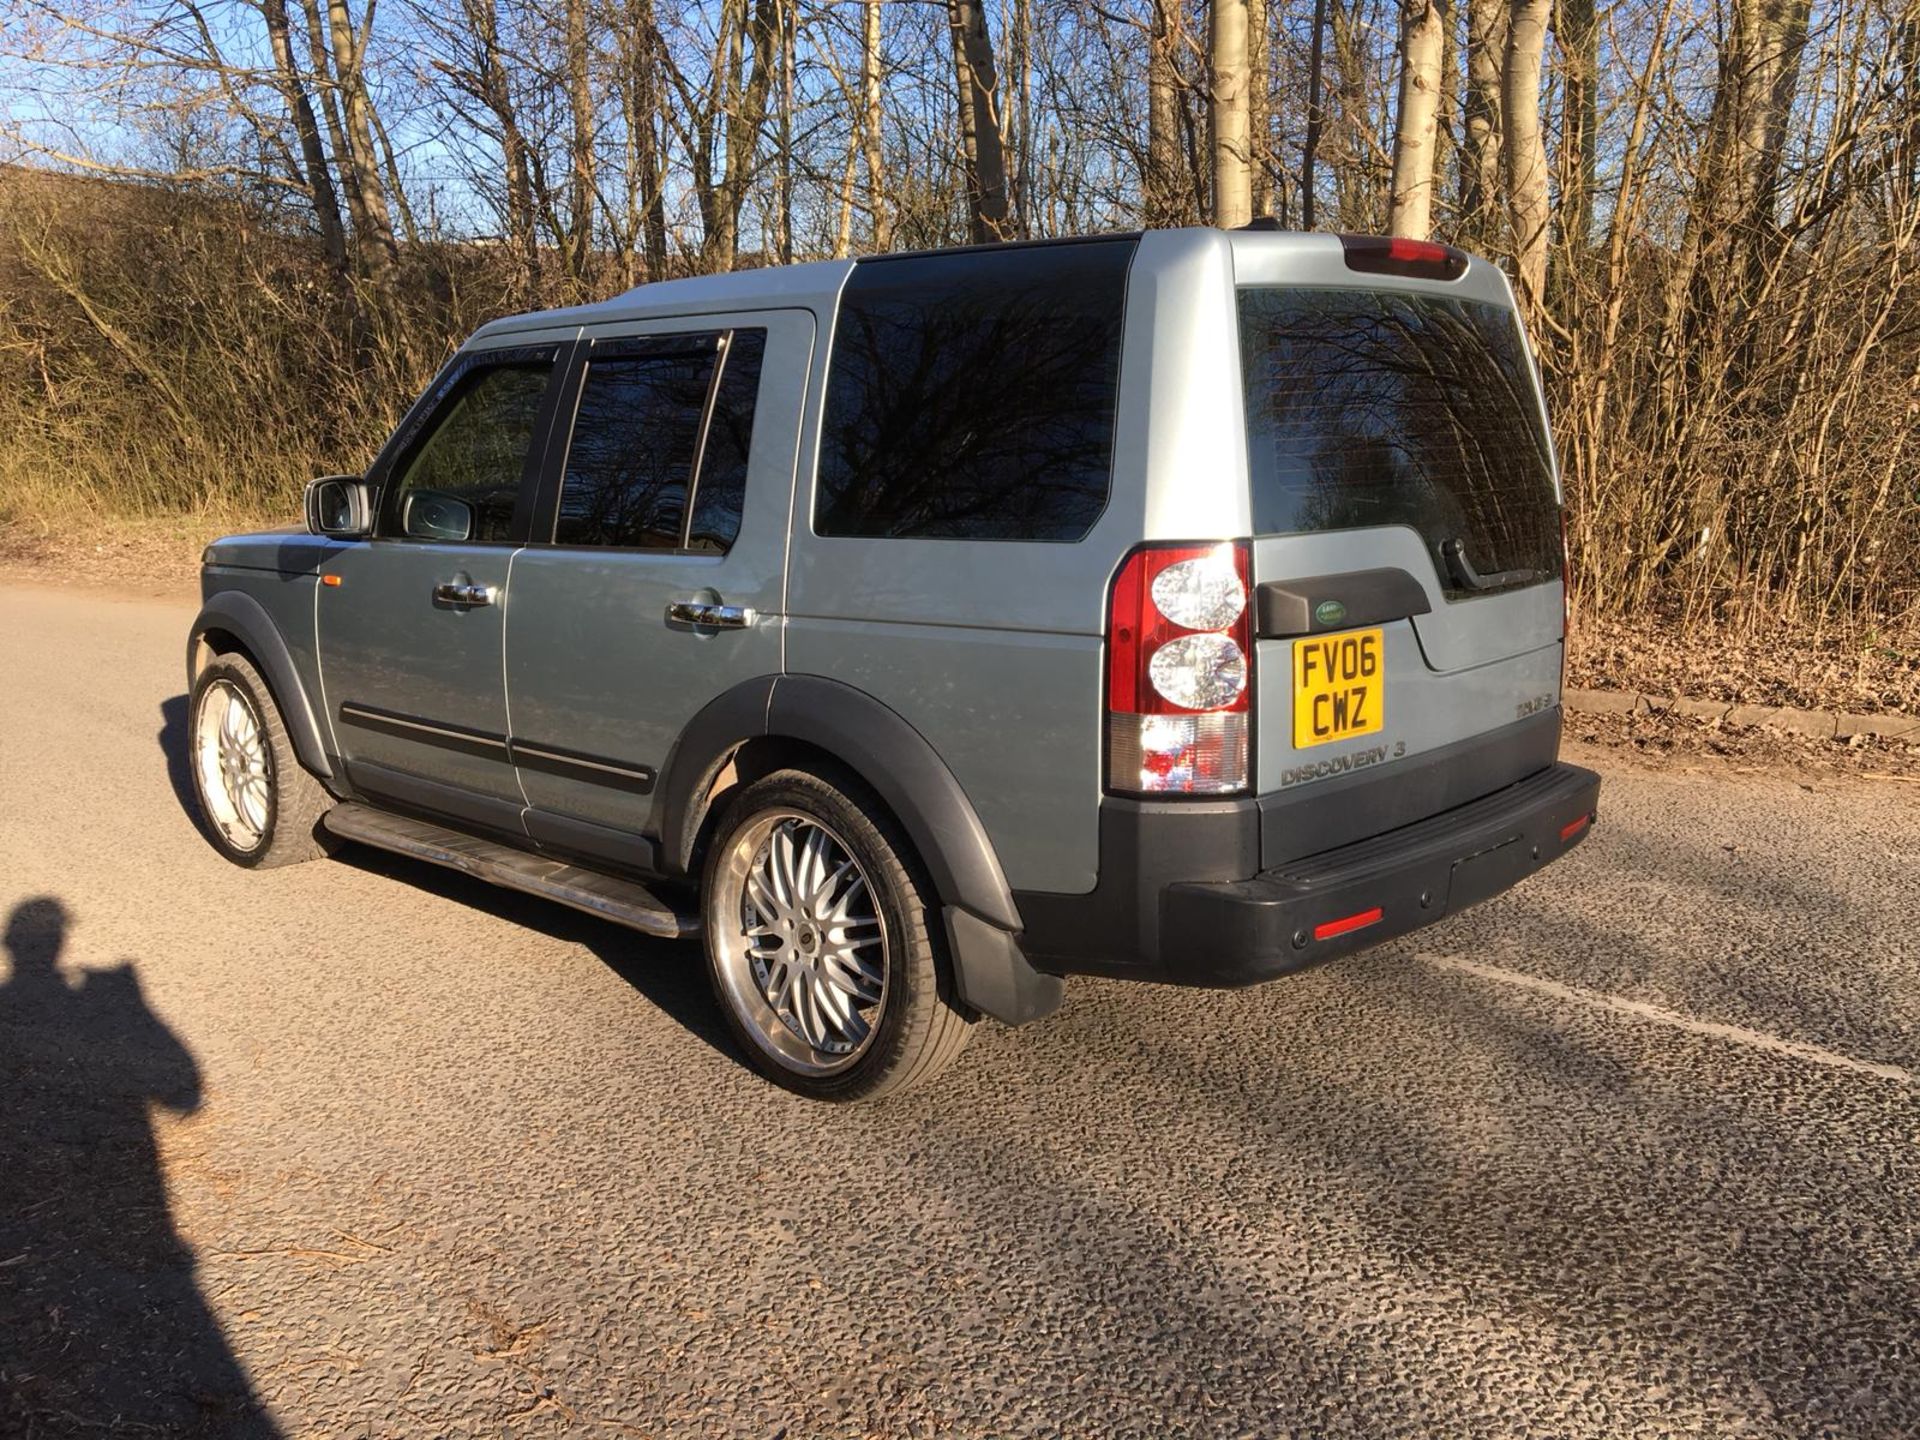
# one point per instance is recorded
(462, 591)
(710, 616)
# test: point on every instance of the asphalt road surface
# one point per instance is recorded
(362, 1148)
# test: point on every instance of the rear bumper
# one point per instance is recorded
(1184, 926)
(1332, 904)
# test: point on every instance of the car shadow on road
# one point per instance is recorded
(103, 1322)
(669, 974)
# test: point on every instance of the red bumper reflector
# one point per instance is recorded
(1346, 926)
(1574, 827)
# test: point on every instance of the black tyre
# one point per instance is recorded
(261, 809)
(823, 942)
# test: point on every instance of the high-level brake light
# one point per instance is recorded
(1179, 671)
(1396, 255)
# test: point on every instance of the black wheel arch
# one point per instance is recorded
(848, 727)
(232, 619)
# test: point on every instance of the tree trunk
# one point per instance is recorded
(1160, 186)
(873, 116)
(643, 111)
(783, 174)
(983, 153)
(1524, 154)
(321, 59)
(1480, 191)
(1423, 28)
(1579, 32)
(752, 43)
(1232, 171)
(1356, 190)
(1259, 118)
(318, 176)
(1022, 115)
(367, 197)
(1316, 112)
(488, 84)
(580, 182)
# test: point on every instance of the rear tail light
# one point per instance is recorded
(1180, 671)
(1396, 255)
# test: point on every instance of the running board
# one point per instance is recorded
(625, 902)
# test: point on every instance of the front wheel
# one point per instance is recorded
(824, 948)
(261, 809)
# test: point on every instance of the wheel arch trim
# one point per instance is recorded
(246, 620)
(873, 741)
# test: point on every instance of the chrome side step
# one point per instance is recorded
(625, 902)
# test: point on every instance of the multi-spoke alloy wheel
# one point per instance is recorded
(236, 779)
(261, 809)
(821, 943)
(808, 952)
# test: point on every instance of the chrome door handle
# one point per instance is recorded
(460, 592)
(711, 617)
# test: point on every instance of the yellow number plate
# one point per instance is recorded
(1339, 686)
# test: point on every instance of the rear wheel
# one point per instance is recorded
(261, 809)
(823, 946)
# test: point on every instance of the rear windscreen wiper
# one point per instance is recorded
(1454, 552)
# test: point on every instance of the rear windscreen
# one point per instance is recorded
(1370, 407)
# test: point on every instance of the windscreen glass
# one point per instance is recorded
(1376, 407)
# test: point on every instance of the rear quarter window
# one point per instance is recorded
(1384, 407)
(972, 396)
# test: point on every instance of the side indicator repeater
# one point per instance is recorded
(330, 581)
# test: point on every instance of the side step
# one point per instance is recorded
(625, 902)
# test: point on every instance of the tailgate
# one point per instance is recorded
(1407, 552)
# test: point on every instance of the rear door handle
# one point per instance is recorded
(711, 616)
(462, 592)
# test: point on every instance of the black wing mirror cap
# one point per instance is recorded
(339, 507)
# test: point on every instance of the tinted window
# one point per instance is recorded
(973, 395)
(461, 480)
(1390, 408)
(722, 488)
(630, 463)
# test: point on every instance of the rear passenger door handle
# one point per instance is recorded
(710, 616)
(461, 591)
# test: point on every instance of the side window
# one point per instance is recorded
(461, 479)
(972, 396)
(638, 475)
(635, 434)
(723, 464)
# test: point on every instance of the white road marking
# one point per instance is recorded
(1639, 1009)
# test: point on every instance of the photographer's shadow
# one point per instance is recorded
(102, 1325)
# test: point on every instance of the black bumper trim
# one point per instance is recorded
(1248, 931)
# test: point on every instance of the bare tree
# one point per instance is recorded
(315, 170)
(1523, 152)
(1232, 160)
(1423, 27)
(1316, 112)
(872, 122)
(1161, 181)
(983, 152)
(366, 194)
(1480, 183)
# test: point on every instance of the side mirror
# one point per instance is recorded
(339, 506)
(434, 515)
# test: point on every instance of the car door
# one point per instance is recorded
(410, 621)
(654, 578)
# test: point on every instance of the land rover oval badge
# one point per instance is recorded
(1329, 613)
